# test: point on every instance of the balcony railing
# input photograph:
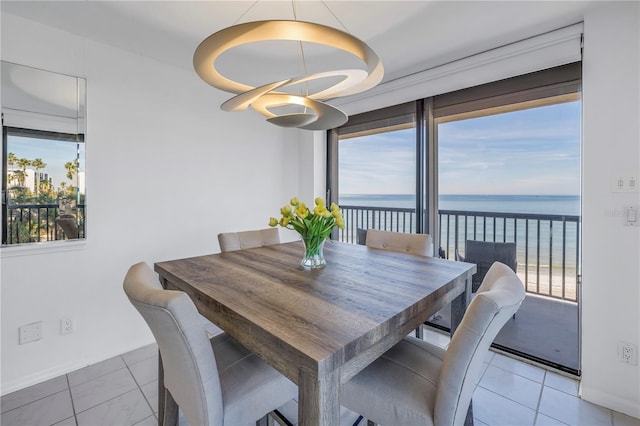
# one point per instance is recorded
(547, 245)
(28, 223)
(385, 218)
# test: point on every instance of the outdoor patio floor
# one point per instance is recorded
(544, 330)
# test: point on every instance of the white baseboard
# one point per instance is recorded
(59, 370)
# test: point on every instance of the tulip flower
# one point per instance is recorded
(318, 222)
(284, 221)
(302, 211)
(285, 211)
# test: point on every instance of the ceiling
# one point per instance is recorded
(408, 36)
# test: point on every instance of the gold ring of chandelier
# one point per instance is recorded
(317, 114)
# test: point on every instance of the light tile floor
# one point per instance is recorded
(122, 391)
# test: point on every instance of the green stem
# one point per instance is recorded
(312, 245)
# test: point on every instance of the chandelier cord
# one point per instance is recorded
(336, 16)
(304, 60)
(246, 11)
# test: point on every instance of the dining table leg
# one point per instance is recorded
(318, 399)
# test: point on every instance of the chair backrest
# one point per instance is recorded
(190, 370)
(68, 225)
(498, 298)
(232, 241)
(484, 253)
(361, 236)
(420, 244)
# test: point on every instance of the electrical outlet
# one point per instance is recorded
(66, 326)
(617, 183)
(628, 353)
(624, 183)
(30, 332)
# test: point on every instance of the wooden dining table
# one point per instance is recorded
(319, 327)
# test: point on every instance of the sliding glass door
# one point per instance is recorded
(514, 177)
(498, 162)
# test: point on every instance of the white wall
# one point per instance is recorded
(611, 252)
(166, 172)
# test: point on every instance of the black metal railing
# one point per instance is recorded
(385, 218)
(29, 223)
(547, 245)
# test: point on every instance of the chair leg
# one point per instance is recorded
(468, 421)
(167, 406)
(169, 416)
(263, 421)
(276, 417)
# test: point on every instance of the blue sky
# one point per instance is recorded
(534, 151)
(54, 153)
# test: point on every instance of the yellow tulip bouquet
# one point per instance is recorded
(314, 226)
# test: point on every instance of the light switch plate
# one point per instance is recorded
(631, 215)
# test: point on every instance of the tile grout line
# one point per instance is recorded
(520, 375)
(35, 400)
(98, 376)
(115, 397)
(153, 413)
(73, 405)
(140, 360)
(507, 398)
(544, 379)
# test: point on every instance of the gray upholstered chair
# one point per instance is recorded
(215, 381)
(68, 224)
(232, 241)
(420, 244)
(484, 253)
(361, 236)
(418, 383)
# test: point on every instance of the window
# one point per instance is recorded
(44, 189)
(43, 156)
(376, 157)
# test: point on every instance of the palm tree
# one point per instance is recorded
(23, 163)
(11, 164)
(38, 165)
(11, 159)
(72, 169)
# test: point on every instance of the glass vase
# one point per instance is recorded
(313, 255)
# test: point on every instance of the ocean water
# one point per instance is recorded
(546, 248)
(539, 204)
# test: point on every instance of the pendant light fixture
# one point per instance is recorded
(310, 110)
